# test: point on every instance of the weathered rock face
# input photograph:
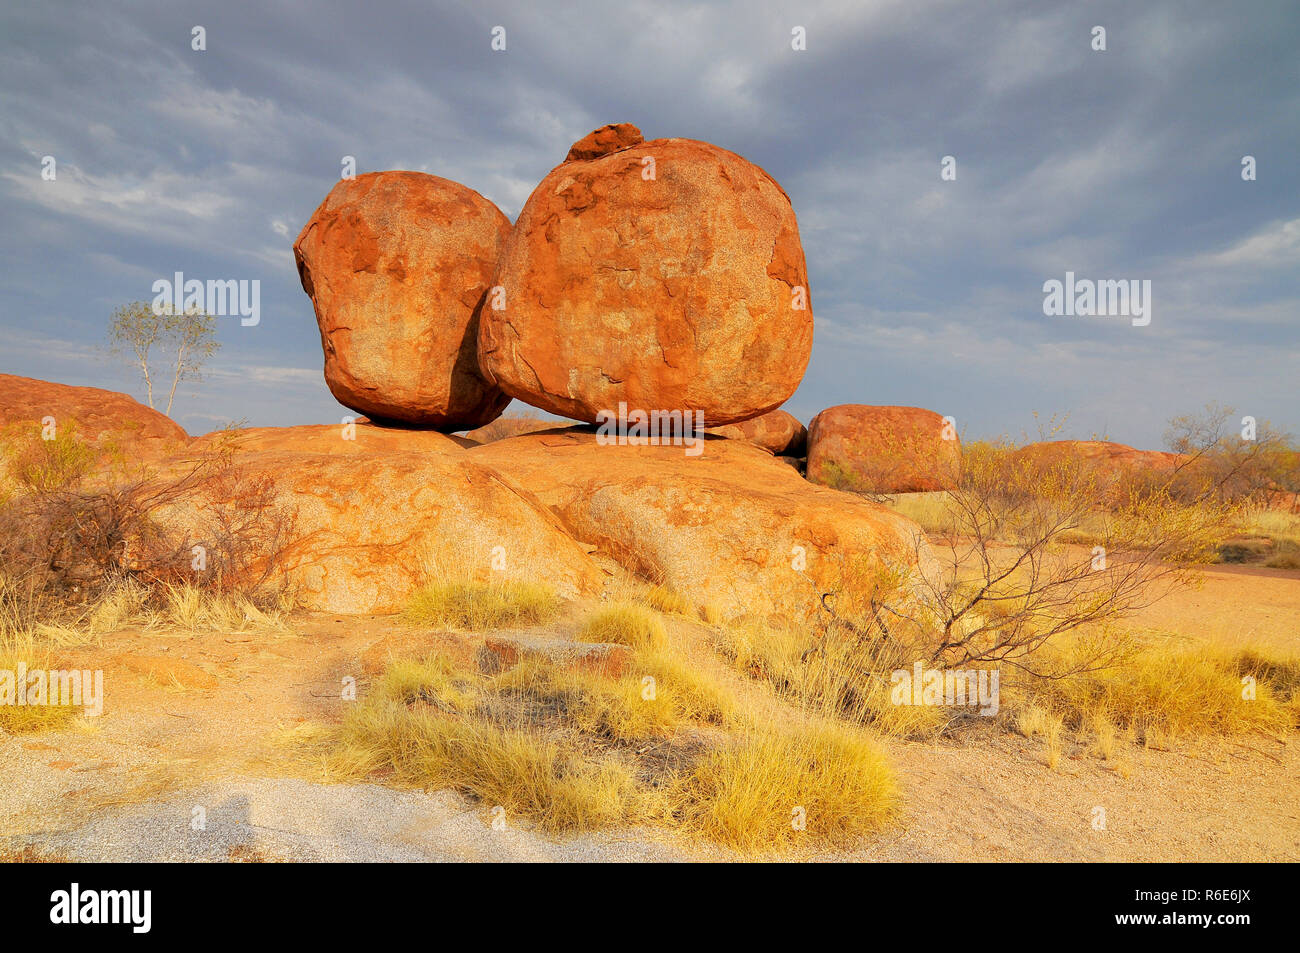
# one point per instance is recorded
(361, 439)
(674, 286)
(601, 142)
(397, 265)
(365, 530)
(776, 432)
(1282, 501)
(721, 528)
(103, 418)
(882, 450)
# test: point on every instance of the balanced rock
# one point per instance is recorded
(601, 142)
(397, 265)
(882, 449)
(663, 275)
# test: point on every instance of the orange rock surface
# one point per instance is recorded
(732, 527)
(397, 265)
(882, 449)
(677, 291)
(361, 439)
(776, 432)
(103, 418)
(368, 529)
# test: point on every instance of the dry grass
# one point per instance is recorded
(1281, 530)
(28, 719)
(194, 609)
(132, 604)
(931, 511)
(822, 782)
(669, 601)
(429, 732)
(479, 606)
(625, 624)
(1034, 721)
(833, 675)
(666, 742)
(1164, 690)
(28, 854)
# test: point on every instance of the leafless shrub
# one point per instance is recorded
(1006, 575)
(70, 533)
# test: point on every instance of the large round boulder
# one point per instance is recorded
(397, 265)
(663, 275)
(869, 449)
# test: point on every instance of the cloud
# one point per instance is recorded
(1121, 164)
(1276, 245)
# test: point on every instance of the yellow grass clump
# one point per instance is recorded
(573, 750)
(189, 607)
(822, 782)
(625, 624)
(668, 601)
(477, 606)
(833, 676)
(1162, 690)
(28, 718)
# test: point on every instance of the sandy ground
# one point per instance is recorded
(196, 758)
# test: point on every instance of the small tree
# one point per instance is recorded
(1222, 461)
(185, 341)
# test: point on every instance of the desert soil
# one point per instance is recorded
(223, 724)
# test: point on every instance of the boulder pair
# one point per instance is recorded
(663, 275)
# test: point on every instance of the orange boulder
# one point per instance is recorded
(666, 275)
(777, 432)
(1106, 461)
(397, 265)
(601, 142)
(103, 418)
(882, 449)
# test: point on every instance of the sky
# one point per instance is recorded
(1122, 163)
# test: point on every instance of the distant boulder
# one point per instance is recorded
(1107, 462)
(882, 449)
(103, 418)
(504, 427)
